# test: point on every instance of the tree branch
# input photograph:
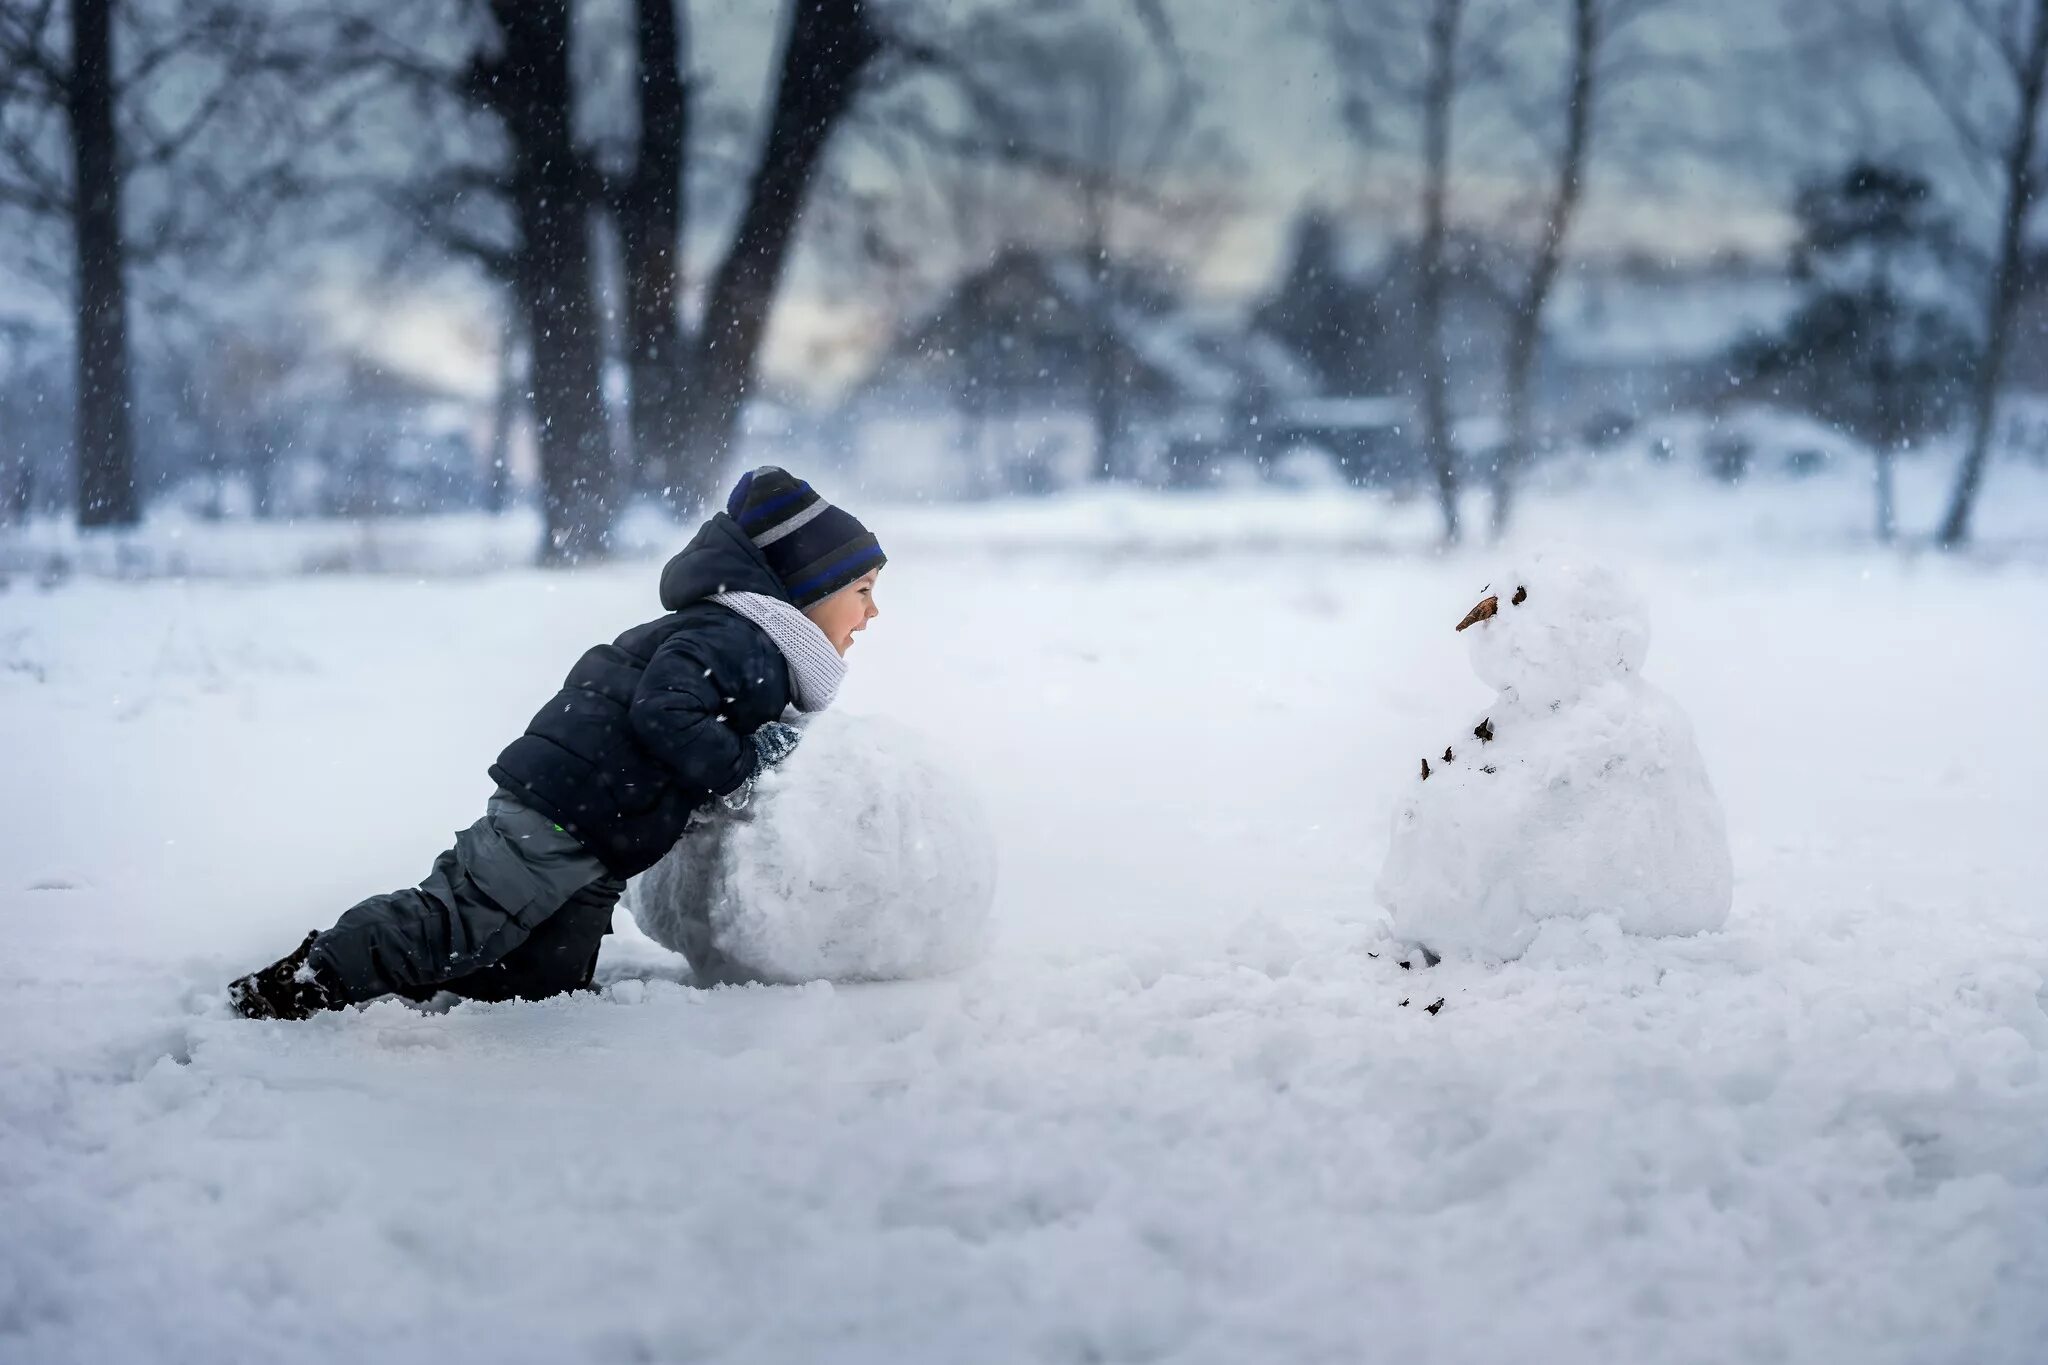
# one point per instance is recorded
(24, 54)
(1947, 94)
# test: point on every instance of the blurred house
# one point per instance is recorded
(400, 443)
(1630, 339)
(261, 430)
(1366, 441)
(1348, 308)
(1011, 382)
(1625, 339)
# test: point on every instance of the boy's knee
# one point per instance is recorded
(559, 956)
(404, 940)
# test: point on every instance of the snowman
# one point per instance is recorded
(1579, 792)
(864, 857)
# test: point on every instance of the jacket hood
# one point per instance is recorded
(720, 558)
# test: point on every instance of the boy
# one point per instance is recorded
(674, 714)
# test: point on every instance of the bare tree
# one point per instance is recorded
(648, 205)
(514, 195)
(1984, 64)
(829, 47)
(105, 453)
(526, 84)
(494, 176)
(1099, 104)
(688, 384)
(1879, 345)
(17, 461)
(1598, 63)
(953, 201)
(1525, 326)
(1402, 65)
(141, 134)
(80, 83)
(507, 403)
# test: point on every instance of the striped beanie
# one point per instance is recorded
(814, 548)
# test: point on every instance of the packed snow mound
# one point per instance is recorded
(863, 857)
(1580, 792)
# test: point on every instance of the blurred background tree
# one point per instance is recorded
(1880, 344)
(377, 257)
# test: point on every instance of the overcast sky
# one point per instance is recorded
(1726, 148)
(1270, 78)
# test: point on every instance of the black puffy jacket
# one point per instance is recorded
(650, 727)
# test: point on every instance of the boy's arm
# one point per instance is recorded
(679, 715)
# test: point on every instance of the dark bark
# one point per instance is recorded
(1105, 390)
(17, 488)
(830, 44)
(528, 87)
(1887, 496)
(1525, 330)
(261, 464)
(505, 408)
(105, 454)
(1433, 361)
(2019, 176)
(1890, 422)
(648, 209)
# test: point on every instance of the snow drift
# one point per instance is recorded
(863, 857)
(1579, 792)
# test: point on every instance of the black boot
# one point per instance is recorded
(287, 989)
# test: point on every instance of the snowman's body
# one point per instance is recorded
(863, 857)
(1589, 797)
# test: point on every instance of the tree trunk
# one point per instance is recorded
(649, 213)
(1433, 361)
(105, 455)
(261, 463)
(2005, 279)
(1887, 494)
(530, 91)
(830, 44)
(1525, 333)
(1105, 407)
(1890, 431)
(504, 417)
(976, 399)
(17, 488)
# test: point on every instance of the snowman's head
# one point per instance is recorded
(1553, 627)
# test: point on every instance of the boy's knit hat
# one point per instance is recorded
(814, 548)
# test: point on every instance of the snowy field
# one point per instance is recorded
(1178, 1114)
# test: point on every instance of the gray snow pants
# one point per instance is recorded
(517, 909)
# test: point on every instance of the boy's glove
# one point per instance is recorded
(773, 742)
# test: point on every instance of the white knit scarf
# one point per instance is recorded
(815, 668)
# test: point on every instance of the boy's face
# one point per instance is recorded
(847, 612)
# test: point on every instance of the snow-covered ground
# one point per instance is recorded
(1179, 1113)
(1623, 498)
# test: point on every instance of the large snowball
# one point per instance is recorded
(1590, 798)
(863, 857)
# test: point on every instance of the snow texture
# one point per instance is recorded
(864, 857)
(1578, 793)
(1178, 1113)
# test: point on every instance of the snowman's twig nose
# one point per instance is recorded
(1485, 609)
